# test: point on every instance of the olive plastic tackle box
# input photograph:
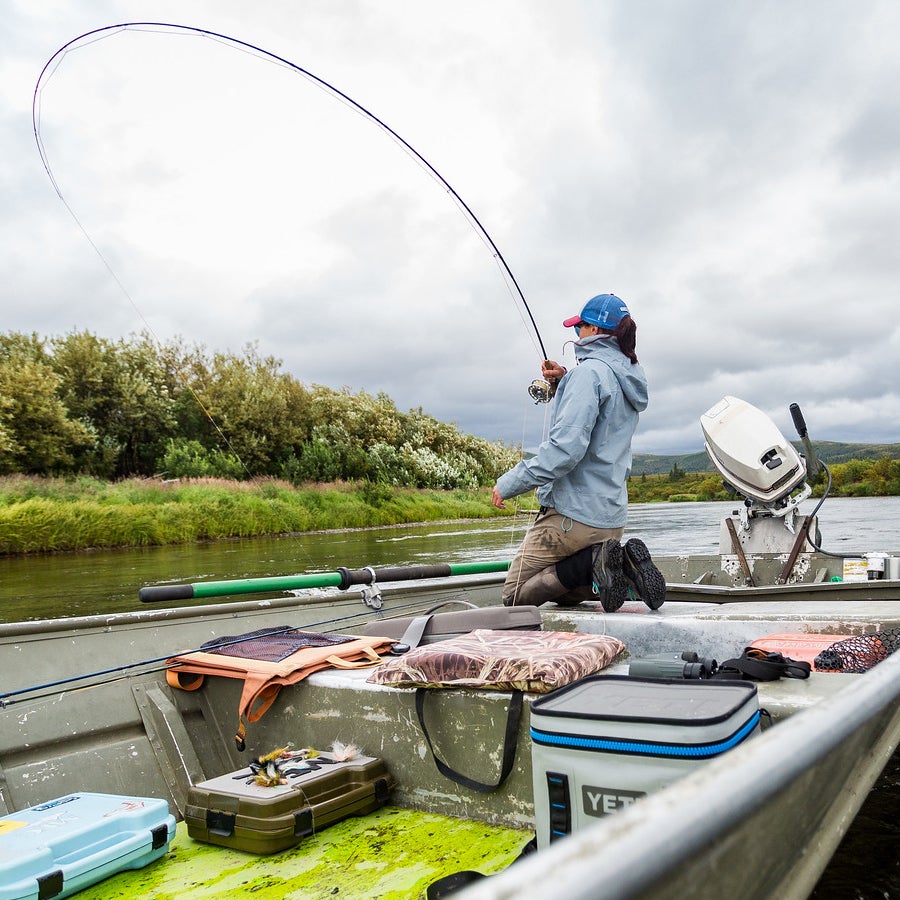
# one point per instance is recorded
(62, 846)
(605, 741)
(233, 811)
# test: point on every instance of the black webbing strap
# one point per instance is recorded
(412, 637)
(510, 740)
(758, 665)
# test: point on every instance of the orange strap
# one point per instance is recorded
(180, 680)
(263, 680)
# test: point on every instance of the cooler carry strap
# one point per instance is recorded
(510, 740)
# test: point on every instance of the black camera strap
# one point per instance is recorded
(758, 665)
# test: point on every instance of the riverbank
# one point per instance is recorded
(45, 515)
(39, 515)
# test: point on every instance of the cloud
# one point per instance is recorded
(730, 170)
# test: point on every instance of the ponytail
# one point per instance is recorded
(625, 334)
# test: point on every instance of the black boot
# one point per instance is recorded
(610, 584)
(647, 579)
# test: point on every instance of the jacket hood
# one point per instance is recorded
(631, 376)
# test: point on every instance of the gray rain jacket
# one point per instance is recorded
(582, 467)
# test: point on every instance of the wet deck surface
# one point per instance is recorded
(390, 854)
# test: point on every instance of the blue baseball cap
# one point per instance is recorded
(604, 311)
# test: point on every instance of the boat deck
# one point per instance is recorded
(722, 630)
(391, 854)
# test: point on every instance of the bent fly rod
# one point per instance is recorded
(537, 392)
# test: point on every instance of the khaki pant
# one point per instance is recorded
(532, 579)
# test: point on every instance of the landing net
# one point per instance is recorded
(858, 654)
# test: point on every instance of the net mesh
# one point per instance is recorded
(272, 645)
(858, 654)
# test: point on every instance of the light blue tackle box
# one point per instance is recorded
(62, 846)
(602, 743)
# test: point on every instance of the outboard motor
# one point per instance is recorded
(753, 457)
(757, 462)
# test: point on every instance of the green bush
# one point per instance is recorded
(190, 459)
(80, 404)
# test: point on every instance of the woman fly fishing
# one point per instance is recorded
(572, 551)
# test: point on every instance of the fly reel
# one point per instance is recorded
(540, 391)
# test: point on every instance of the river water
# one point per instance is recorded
(101, 582)
(866, 866)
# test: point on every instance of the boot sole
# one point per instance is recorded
(648, 580)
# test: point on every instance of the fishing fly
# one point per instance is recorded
(540, 391)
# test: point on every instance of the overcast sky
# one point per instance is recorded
(731, 170)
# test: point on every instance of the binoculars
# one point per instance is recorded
(673, 665)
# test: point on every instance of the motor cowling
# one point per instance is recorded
(751, 454)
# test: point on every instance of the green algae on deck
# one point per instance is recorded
(390, 854)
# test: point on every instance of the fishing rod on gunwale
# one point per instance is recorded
(538, 390)
(4, 702)
(342, 579)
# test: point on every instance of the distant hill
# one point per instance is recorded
(828, 451)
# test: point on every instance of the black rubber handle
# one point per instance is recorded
(164, 593)
(799, 422)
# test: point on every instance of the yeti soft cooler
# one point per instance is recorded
(59, 847)
(234, 811)
(603, 742)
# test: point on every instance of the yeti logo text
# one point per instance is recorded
(601, 801)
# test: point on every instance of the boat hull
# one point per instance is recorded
(762, 821)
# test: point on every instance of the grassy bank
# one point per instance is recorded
(41, 514)
(47, 514)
